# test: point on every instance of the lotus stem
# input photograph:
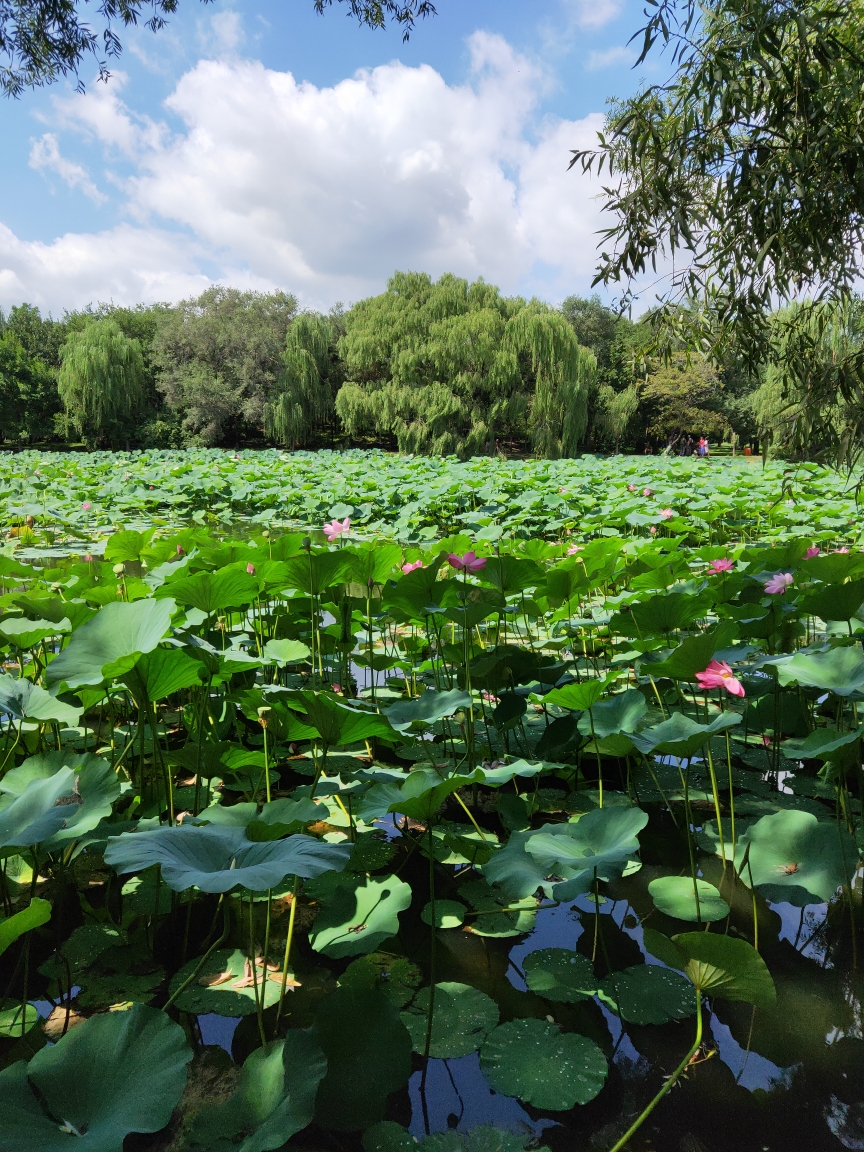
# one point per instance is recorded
(194, 974)
(288, 940)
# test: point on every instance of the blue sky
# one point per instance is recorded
(254, 143)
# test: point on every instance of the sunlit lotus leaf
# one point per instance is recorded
(444, 914)
(39, 811)
(841, 670)
(620, 713)
(794, 856)
(96, 788)
(716, 964)
(681, 736)
(462, 1017)
(25, 700)
(36, 913)
(359, 915)
(542, 1065)
(110, 644)
(218, 859)
(118, 1072)
(24, 633)
(675, 896)
(426, 709)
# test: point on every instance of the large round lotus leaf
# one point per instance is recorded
(461, 1018)
(217, 859)
(840, 671)
(649, 994)
(118, 1072)
(483, 1139)
(39, 811)
(225, 985)
(395, 976)
(368, 1051)
(674, 896)
(795, 857)
(716, 964)
(559, 974)
(388, 1136)
(620, 713)
(360, 913)
(540, 1064)
(444, 914)
(275, 1098)
(109, 645)
(25, 700)
(96, 788)
(680, 735)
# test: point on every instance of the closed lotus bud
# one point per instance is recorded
(262, 716)
(119, 569)
(250, 568)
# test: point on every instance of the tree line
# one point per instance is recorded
(443, 366)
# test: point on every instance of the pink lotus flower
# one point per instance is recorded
(574, 548)
(180, 550)
(647, 491)
(250, 568)
(562, 490)
(724, 564)
(811, 552)
(631, 487)
(667, 513)
(88, 559)
(778, 583)
(470, 562)
(766, 741)
(86, 506)
(718, 674)
(406, 568)
(841, 549)
(653, 530)
(337, 528)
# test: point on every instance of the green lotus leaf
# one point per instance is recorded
(578, 697)
(426, 709)
(661, 615)
(37, 912)
(501, 915)
(391, 1137)
(313, 572)
(110, 644)
(371, 564)
(560, 974)
(841, 670)
(39, 811)
(395, 976)
(388, 1136)
(11, 1019)
(23, 633)
(819, 744)
(680, 736)
(504, 773)
(601, 844)
(620, 713)
(444, 914)
(462, 1017)
(835, 601)
(368, 1051)
(282, 652)
(695, 653)
(715, 964)
(794, 856)
(127, 545)
(118, 1072)
(96, 788)
(223, 986)
(338, 723)
(274, 1098)
(218, 859)
(425, 791)
(161, 673)
(649, 994)
(543, 1066)
(25, 700)
(213, 591)
(674, 896)
(360, 914)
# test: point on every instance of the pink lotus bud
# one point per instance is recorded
(250, 568)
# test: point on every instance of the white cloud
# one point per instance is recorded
(592, 13)
(45, 156)
(609, 57)
(325, 191)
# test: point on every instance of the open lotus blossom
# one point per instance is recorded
(667, 513)
(724, 564)
(337, 528)
(250, 568)
(718, 674)
(470, 562)
(778, 583)
(647, 491)
(574, 548)
(811, 552)
(841, 549)
(406, 568)
(86, 506)
(631, 487)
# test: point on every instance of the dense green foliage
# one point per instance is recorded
(425, 367)
(328, 789)
(101, 381)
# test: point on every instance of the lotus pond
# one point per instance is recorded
(486, 816)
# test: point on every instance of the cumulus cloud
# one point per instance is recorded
(609, 57)
(325, 191)
(592, 13)
(45, 157)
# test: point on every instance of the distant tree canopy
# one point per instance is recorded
(449, 367)
(101, 381)
(44, 40)
(301, 402)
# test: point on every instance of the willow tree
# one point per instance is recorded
(101, 382)
(452, 367)
(303, 397)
